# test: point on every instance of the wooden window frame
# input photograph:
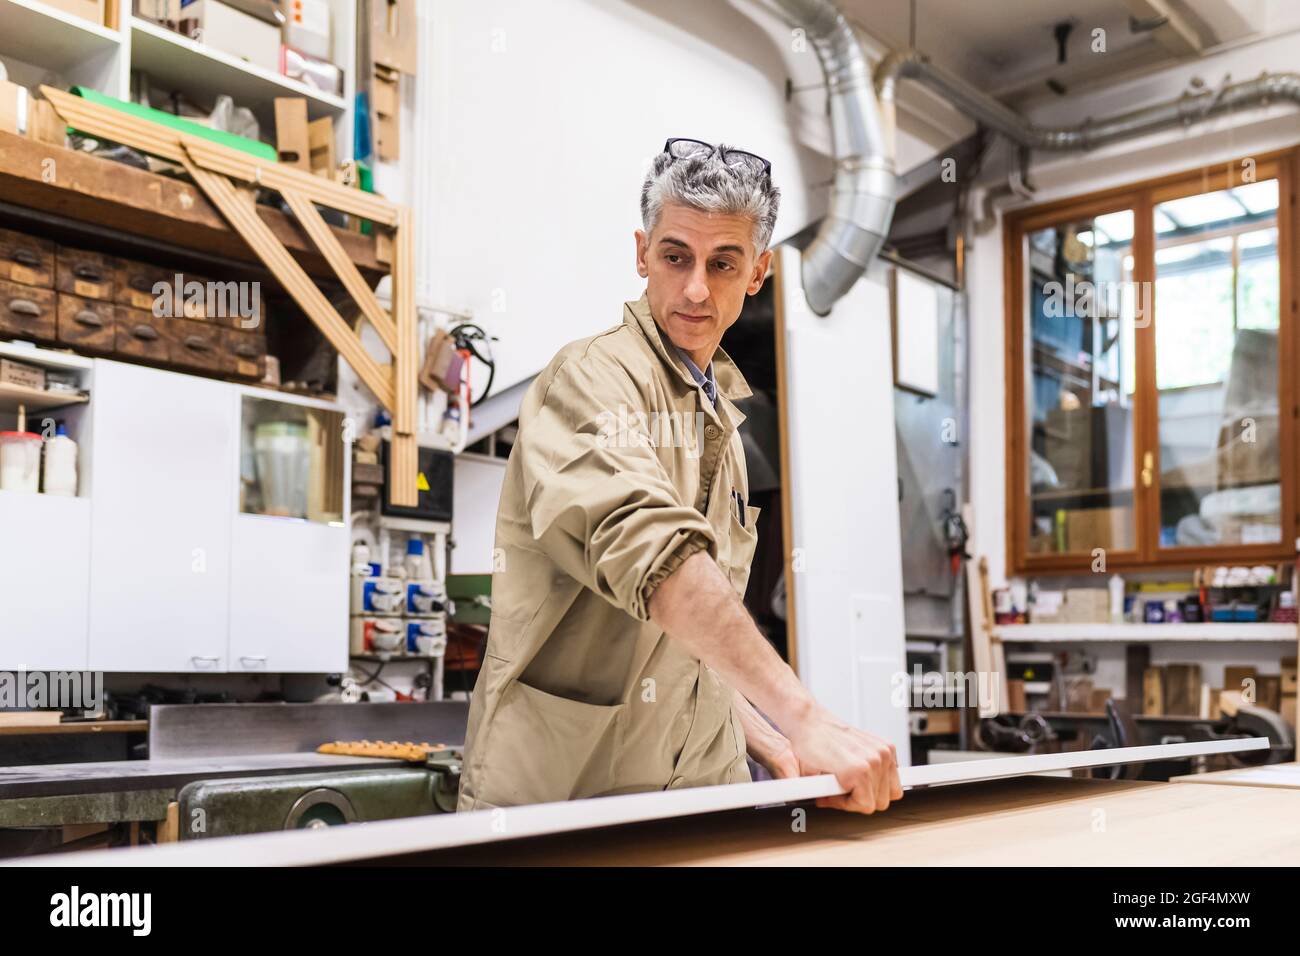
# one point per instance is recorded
(1142, 197)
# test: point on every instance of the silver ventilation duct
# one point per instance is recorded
(862, 109)
(862, 195)
(1194, 107)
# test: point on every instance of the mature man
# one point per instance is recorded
(620, 656)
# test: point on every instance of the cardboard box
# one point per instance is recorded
(1108, 528)
(13, 107)
(222, 27)
(20, 373)
(394, 34)
(92, 10)
(384, 93)
(307, 27)
(291, 141)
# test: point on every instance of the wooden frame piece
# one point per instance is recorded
(213, 167)
(1142, 197)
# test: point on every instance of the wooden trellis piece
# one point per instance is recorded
(216, 169)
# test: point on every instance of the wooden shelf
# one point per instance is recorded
(1142, 633)
(36, 399)
(46, 36)
(158, 209)
(201, 72)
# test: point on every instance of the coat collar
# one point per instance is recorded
(731, 383)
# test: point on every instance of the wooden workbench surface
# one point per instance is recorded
(1282, 775)
(1022, 821)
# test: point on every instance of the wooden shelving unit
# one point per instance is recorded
(196, 70)
(36, 399)
(38, 33)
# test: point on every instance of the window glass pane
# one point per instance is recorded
(1216, 302)
(1079, 402)
(291, 460)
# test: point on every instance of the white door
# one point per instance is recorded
(288, 596)
(44, 581)
(161, 520)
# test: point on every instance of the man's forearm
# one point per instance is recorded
(697, 606)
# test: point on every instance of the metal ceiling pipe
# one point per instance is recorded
(862, 195)
(1185, 110)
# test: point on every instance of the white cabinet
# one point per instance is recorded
(290, 544)
(288, 596)
(44, 581)
(162, 502)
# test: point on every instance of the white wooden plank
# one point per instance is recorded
(416, 834)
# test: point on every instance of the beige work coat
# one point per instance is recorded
(622, 469)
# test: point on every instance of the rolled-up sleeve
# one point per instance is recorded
(598, 497)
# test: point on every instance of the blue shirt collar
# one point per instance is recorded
(703, 379)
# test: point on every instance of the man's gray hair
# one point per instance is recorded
(706, 183)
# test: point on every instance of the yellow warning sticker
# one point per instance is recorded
(422, 483)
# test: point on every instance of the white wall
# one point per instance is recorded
(848, 580)
(536, 123)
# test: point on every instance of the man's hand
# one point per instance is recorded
(865, 765)
(699, 609)
(764, 743)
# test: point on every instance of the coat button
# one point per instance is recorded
(711, 432)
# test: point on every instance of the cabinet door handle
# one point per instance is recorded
(24, 307)
(253, 660)
(146, 332)
(1148, 469)
(205, 663)
(87, 317)
(25, 257)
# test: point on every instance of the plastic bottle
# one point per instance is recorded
(60, 468)
(418, 567)
(1116, 599)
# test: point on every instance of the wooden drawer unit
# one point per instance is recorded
(140, 334)
(86, 324)
(195, 345)
(27, 312)
(26, 260)
(135, 282)
(90, 275)
(244, 354)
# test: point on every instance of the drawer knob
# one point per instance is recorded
(87, 317)
(140, 283)
(197, 343)
(25, 257)
(24, 307)
(146, 332)
(244, 350)
(88, 272)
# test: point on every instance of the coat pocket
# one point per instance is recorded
(541, 748)
(744, 540)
